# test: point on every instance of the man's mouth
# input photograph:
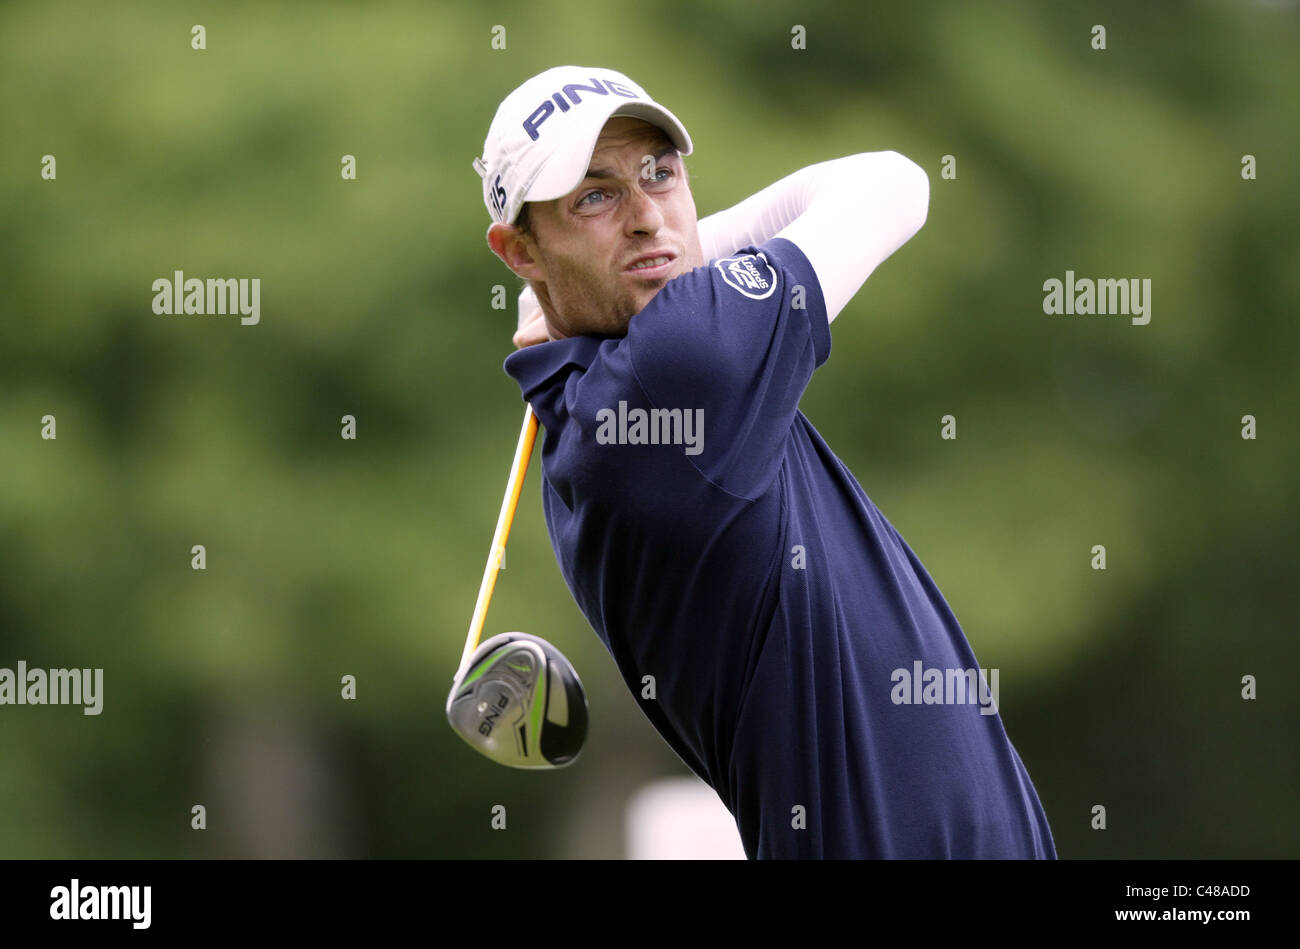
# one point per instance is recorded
(650, 266)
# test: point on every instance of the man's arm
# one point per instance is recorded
(847, 215)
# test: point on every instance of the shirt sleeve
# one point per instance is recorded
(736, 342)
(847, 215)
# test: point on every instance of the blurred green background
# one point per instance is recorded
(329, 557)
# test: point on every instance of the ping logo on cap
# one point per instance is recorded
(569, 96)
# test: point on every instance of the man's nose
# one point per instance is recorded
(644, 215)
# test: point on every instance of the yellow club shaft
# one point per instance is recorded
(523, 452)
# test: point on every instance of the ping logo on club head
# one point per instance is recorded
(749, 274)
(492, 713)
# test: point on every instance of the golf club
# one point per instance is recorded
(515, 697)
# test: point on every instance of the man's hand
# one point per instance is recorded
(532, 330)
(532, 323)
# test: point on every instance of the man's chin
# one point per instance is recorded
(644, 302)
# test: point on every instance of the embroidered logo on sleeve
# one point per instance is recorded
(748, 274)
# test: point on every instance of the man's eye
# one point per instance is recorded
(668, 172)
(595, 194)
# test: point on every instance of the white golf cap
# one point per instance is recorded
(541, 139)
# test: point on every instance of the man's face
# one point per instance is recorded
(634, 204)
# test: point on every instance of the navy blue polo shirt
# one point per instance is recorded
(774, 627)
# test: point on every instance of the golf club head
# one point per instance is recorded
(520, 703)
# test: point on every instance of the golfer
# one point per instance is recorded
(774, 627)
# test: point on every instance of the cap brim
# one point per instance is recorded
(567, 166)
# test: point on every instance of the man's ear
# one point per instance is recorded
(513, 247)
